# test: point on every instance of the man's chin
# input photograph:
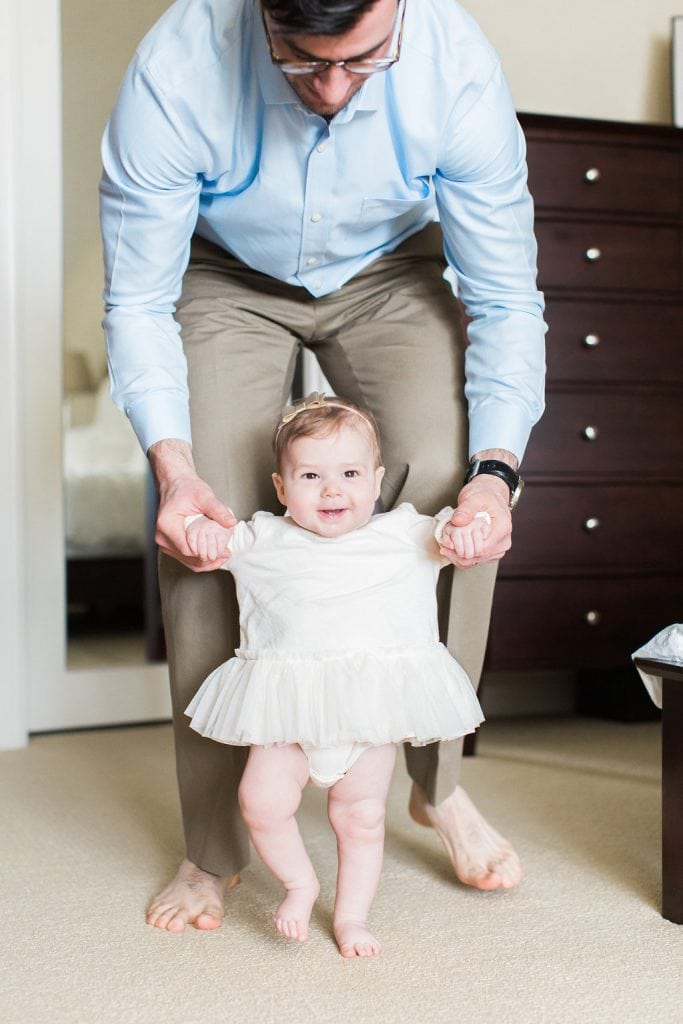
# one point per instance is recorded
(322, 109)
(319, 106)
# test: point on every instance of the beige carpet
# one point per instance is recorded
(90, 830)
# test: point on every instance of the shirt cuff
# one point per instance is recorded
(501, 426)
(158, 418)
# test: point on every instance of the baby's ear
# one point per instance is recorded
(279, 488)
(379, 475)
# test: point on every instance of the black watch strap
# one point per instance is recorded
(494, 467)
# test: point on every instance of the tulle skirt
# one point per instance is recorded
(417, 694)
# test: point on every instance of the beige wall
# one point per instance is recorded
(98, 40)
(588, 58)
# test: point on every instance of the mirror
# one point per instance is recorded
(112, 606)
(106, 485)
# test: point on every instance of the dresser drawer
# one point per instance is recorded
(590, 176)
(603, 434)
(579, 623)
(607, 341)
(593, 255)
(587, 528)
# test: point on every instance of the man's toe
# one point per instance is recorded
(209, 920)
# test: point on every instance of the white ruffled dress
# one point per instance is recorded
(339, 639)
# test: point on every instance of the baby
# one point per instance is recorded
(340, 658)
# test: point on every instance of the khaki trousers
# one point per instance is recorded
(390, 339)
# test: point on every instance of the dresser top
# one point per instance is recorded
(551, 124)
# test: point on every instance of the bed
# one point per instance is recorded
(109, 515)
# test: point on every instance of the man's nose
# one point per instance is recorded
(333, 84)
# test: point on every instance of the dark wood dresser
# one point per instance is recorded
(596, 566)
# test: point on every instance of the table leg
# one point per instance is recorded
(672, 801)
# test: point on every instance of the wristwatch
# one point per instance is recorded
(493, 467)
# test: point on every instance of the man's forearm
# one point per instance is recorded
(170, 460)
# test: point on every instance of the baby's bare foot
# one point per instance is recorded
(354, 939)
(294, 913)
(193, 897)
(481, 857)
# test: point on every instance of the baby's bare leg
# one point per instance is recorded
(269, 795)
(356, 809)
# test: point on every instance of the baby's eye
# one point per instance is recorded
(351, 473)
(310, 476)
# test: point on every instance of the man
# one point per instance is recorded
(279, 170)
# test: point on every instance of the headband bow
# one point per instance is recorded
(316, 400)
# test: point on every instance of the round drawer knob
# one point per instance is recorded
(593, 254)
(592, 175)
(592, 618)
(591, 524)
(591, 341)
(590, 433)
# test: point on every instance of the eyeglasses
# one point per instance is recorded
(316, 67)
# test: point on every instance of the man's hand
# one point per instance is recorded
(182, 493)
(489, 494)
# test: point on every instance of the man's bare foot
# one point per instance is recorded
(481, 857)
(294, 913)
(193, 897)
(354, 939)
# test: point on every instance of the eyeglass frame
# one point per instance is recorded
(318, 67)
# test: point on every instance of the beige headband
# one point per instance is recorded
(316, 400)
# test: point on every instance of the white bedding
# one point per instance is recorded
(105, 476)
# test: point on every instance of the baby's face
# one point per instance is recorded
(330, 484)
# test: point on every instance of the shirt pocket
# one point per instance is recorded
(396, 215)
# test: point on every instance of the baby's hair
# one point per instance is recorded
(320, 416)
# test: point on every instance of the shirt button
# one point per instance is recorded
(316, 217)
(318, 285)
(321, 148)
(311, 261)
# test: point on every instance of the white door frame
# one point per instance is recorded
(13, 708)
(37, 692)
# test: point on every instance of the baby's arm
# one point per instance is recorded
(467, 541)
(207, 539)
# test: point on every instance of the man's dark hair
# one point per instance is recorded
(316, 17)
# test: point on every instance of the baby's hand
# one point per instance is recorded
(467, 541)
(207, 539)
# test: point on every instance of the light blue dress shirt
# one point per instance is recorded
(207, 134)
